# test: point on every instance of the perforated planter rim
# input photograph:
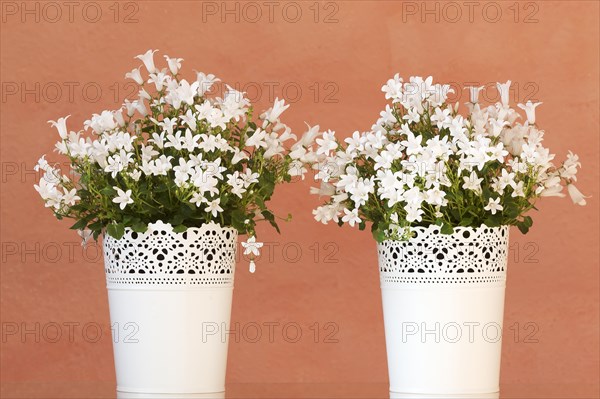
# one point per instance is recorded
(434, 284)
(170, 289)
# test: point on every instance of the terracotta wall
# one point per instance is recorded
(330, 60)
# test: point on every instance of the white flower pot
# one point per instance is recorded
(443, 303)
(170, 304)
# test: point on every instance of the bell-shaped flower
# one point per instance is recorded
(474, 92)
(61, 126)
(529, 108)
(504, 89)
(576, 195)
(136, 75)
(148, 59)
(174, 64)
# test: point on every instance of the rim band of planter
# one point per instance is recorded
(203, 256)
(471, 256)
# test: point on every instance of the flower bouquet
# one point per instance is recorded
(440, 189)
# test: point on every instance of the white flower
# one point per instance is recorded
(518, 190)
(273, 113)
(42, 164)
(135, 75)
(442, 118)
(569, 169)
(184, 93)
(85, 235)
(529, 108)
(308, 137)
(248, 177)
(497, 125)
(174, 64)
(474, 92)
(327, 143)
(148, 59)
(190, 141)
(70, 197)
(197, 199)
(236, 183)
(205, 181)
(360, 192)
(130, 107)
(412, 116)
(355, 143)
(576, 196)
(506, 179)
(325, 189)
(504, 89)
(135, 175)
(351, 217)
(413, 196)
(251, 246)
(61, 126)
(413, 213)
(393, 88)
(493, 206)
(189, 119)
(161, 165)
(140, 107)
(498, 153)
(238, 155)
(472, 182)
(123, 198)
(213, 207)
(435, 196)
(412, 142)
(49, 193)
(257, 139)
(159, 79)
(102, 122)
(205, 82)
(326, 213)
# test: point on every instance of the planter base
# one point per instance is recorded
(399, 395)
(133, 395)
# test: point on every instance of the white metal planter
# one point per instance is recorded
(170, 305)
(443, 304)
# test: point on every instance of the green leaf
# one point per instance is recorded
(492, 221)
(177, 220)
(238, 217)
(271, 218)
(139, 227)
(108, 191)
(523, 227)
(379, 232)
(179, 228)
(80, 224)
(468, 221)
(115, 230)
(447, 229)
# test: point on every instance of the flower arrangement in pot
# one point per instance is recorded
(170, 180)
(440, 190)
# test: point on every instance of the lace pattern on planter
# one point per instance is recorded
(203, 256)
(469, 256)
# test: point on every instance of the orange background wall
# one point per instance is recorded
(332, 66)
